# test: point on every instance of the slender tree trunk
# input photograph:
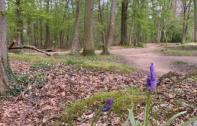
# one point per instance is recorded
(29, 31)
(100, 18)
(19, 23)
(47, 30)
(174, 6)
(88, 29)
(124, 39)
(41, 34)
(61, 39)
(75, 42)
(159, 33)
(195, 21)
(47, 36)
(110, 33)
(42, 42)
(4, 64)
(184, 30)
(35, 27)
(186, 14)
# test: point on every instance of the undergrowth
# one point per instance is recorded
(180, 63)
(123, 100)
(108, 63)
(181, 50)
(22, 81)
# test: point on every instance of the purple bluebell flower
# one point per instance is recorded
(108, 105)
(152, 78)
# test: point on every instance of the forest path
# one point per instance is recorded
(142, 57)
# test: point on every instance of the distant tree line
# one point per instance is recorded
(60, 23)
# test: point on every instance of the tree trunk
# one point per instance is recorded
(88, 29)
(110, 33)
(174, 6)
(4, 64)
(61, 45)
(19, 23)
(159, 33)
(47, 30)
(100, 18)
(186, 14)
(124, 39)
(75, 42)
(195, 21)
(41, 31)
(41, 34)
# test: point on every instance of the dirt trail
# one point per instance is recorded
(142, 57)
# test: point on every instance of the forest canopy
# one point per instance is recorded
(52, 23)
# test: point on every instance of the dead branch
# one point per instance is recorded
(30, 47)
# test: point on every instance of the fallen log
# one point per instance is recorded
(29, 47)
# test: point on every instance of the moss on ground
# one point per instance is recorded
(108, 63)
(123, 100)
(171, 52)
(181, 50)
(180, 63)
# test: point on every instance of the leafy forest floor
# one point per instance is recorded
(65, 90)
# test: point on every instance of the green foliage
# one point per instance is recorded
(145, 19)
(175, 31)
(169, 122)
(136, 45)
(107, 63)
(181, 50)
(180, 63)
(178, 53)
(18, 85)
(40, 65)
(38, 79)
(14, 91)
(22, 79)
(132, 121)
(123, 99)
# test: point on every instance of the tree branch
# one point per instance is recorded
(29, 47)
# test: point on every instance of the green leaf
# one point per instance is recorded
(168, 123)
(146, 111)
(138, 123)
(131, 117)
(189, 121)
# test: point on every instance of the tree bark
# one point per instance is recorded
(159, 33)
(110, 33)
(124, 39)
(19, 23)
(88, 29)
(195, 21)
(4, 64)
(75, 42)
(47, 30)
(100, 18)
(186, 14)
(174, 6)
